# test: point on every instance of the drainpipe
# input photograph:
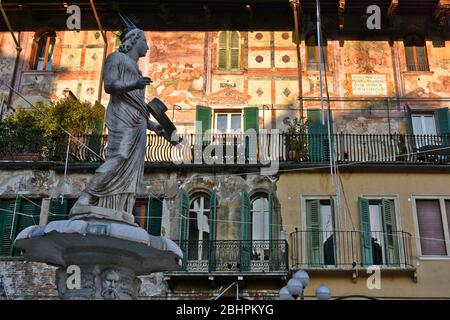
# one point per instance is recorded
(295, 5)
(105, 51)
(18, 49)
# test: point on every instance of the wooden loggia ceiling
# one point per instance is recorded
(202, 14)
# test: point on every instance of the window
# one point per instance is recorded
(229, 51)
(59, 209)
(15, 216)
(423, 124)
(312, 52)
(416, 53)
(260, 215)
(199, 227)
(320, 239)
(433, 219)
(228, 122)
(140, 212)
(42, 51)
(148, 214)
(379, 235)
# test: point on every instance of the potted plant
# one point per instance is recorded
(296, 141)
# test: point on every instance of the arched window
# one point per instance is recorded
(312, 52)
(416, 53)
(199, 226)
(260, 218)
(42, 51)
(228, 53)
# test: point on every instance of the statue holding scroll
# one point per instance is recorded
(115, 182)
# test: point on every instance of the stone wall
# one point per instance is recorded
(24, 280)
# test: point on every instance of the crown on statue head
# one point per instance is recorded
(128, 26)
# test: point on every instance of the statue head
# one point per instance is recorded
(134, 40)
(110, 284)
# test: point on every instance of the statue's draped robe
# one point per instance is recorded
(115, 182)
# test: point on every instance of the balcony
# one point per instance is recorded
(234, 256)
(348, 250)
(247, 149)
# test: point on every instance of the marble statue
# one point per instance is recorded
(115, 182)
(101, 237)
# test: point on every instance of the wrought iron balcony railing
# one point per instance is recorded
(240, 148)
(317, 249)
(231, 256)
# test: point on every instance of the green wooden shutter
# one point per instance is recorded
(442, 117)
(274, 245)
(212, 232)
(391, 235)
(222, 51)
(366, 237)
(30, 214)
(404, 141)
(409, 119)
(183, 224)
(234, 50)
(318, 135)
(8, 223)
(154, 216)
(57, 210)
(245, 231)
(314, 233)
(334, 259)
(203, 116)
(251, 115)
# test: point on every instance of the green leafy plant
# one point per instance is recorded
(39, 128)
(297, 141)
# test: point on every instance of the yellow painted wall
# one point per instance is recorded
(433, 276)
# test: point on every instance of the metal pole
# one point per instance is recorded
(65, 167)
(18, 49)
(1, 108)
(105, 51)
(295, 5)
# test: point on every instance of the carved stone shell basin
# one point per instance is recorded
(78, 242)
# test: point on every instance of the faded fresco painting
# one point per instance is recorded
(176, 66)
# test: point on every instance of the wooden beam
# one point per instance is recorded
(392, 11)
(341, 10)
(442, 12)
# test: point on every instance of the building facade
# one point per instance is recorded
(253, 200)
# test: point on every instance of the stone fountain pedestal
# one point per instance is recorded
(98, 258)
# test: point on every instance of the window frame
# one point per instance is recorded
(316, 52)
(445, 226)
(399, 225)
(304, 226)
(414, 47)
(423, 123)
(36, 45)
(228, 50)
(229, 113)
(201, 251)
(253, 198)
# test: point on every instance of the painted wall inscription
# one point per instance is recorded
(369, 85)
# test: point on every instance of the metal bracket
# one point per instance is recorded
(8, 24)
(99, 23)
(415, 278)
